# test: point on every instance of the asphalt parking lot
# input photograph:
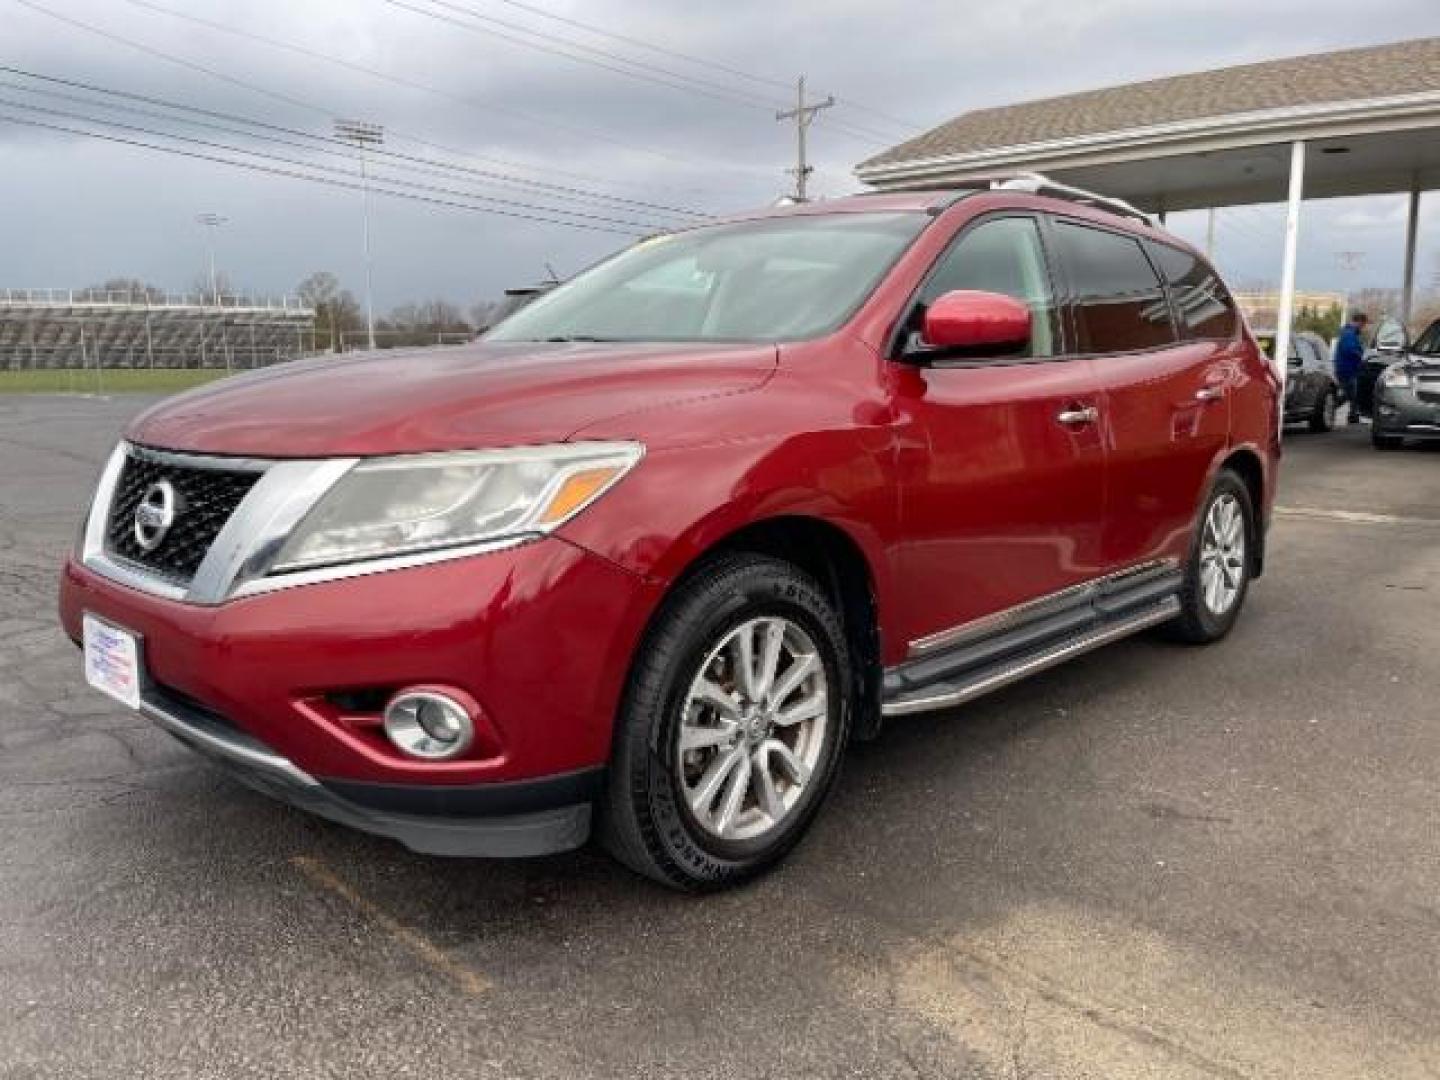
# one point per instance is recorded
(1155, 862)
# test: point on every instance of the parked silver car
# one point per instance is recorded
(1407, 394)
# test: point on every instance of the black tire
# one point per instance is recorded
(1322, 418)
(1381, 441)
(1197, 624)
(643, 819)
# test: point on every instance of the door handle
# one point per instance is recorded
(1210, 393)
(1075, 416)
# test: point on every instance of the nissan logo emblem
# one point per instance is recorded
(154, 514)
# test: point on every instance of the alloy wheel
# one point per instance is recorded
(1222, 554)
(753, 728)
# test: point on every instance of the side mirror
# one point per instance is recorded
(971, 323)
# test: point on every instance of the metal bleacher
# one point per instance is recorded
(88, 328)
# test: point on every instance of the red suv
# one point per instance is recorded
(657, 548)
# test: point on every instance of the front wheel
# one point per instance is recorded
(732, 726)
(1218, 575)
(1386, 442)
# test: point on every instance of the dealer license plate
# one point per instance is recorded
(112, 660)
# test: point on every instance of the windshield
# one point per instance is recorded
(1390, 337)
(1428, 343)
(781, 279)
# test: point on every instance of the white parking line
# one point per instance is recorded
(1352, 517)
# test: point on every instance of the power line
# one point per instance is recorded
(480, 16)
(478, 24)
(310, 106)
(407, 185)
(327, 181)
(650, 46)
(529, 117)
(417, 164)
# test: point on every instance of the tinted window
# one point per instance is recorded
(1119, 302)
(1201, 301)
(1428, 343)
(1004, 256)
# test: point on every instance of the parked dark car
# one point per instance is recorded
(1312, 394)
(1386, 348)
(514, 300)
(1407, 394)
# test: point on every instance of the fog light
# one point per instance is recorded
(428, 724)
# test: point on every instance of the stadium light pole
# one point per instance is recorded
(363, 135)
(211, 223)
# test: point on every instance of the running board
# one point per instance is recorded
(962, 674)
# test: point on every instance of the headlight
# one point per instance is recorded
(425, 502)
(1395, 377)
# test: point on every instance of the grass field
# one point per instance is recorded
(160, 381)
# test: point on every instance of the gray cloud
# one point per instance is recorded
(76, 211)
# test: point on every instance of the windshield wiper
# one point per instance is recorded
(576, 337)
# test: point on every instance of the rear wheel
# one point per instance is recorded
(1218, 575)
(732, 726)
(1323, 417)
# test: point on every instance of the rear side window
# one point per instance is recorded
(1202, 303)
(1118, 300)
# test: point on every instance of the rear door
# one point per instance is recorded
(1163, 381)
(1002, 467)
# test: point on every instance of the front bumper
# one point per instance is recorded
(540, 635)
(1402, 413)
(557, 818)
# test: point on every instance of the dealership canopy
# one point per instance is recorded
(1358, 122)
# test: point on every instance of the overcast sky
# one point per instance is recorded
(74, 211)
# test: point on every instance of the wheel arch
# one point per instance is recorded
(839, 563)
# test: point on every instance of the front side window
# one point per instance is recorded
(776, 279)
(1202, 303)
(1002, 255)
(1119, 303)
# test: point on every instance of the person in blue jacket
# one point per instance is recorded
(1349, 357)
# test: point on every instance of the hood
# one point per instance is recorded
(444, 398)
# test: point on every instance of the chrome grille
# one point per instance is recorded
(1428, 390)
(205, 499)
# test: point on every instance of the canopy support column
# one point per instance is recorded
(1412, 217)
(1287, 272)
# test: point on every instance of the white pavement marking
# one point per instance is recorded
(1352, 517)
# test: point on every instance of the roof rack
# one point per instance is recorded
(1034, 183)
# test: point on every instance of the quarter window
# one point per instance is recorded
(1202, 303)
(1002, 255)
(1119, 302)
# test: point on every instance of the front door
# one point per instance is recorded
(1002, 465)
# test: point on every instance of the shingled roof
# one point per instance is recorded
(1407, 67)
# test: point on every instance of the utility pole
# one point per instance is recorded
(1210, 235)
(211, 223)
(362, 135)
(803, 115)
